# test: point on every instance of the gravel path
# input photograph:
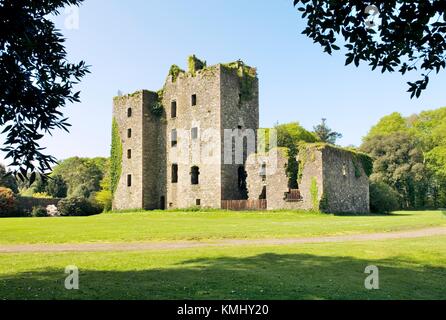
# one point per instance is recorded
(142, 246)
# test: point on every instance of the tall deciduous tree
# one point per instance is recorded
(399, 162)
(392, 35)
(36, 81)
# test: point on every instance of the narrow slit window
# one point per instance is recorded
(173, 109)
(129, 133)
(129, 153)
(198, 202)
(129, 112)
(129, 180)
(194, 100)
(174, 138)
(195, 175)
(174, 173)
(194, 133)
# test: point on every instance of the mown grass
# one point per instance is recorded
(409, 269)
(159, 226)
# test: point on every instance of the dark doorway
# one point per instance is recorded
(263, 194)
(163, 203)
(242, 186)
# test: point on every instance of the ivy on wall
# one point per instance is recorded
(175, 71)
(115, 157)
(314, 191)
(358, 158)
(157, 108)
(247, 77)
(365, 160)
(195, 64)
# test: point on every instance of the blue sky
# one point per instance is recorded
(131, 44)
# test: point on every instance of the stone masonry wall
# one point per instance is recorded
(344, 190)
(202, 152)
(277, 180)
(329, 180)
(154, 155)
(130, 197)
(236, 114)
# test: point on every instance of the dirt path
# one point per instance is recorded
(141, 246)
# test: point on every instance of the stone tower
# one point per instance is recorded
(177, 156)
(142, 135)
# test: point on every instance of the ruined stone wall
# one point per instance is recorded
(236, 113)
(276, 183)
(311, 182)
(346, 185)
(154, 155)
(203, 152)
(332, 180)
(130, 197)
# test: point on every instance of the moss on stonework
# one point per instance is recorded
(358, 157)
(195, 64)
(157, 108)
(175, 71)
(247, 77)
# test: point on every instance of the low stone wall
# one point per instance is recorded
(26, 204)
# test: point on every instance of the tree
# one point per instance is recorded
(57, 187)
(7, 180)
(325, 134)
(427, 132)
(291, 135)
(409, 37)
(105, 197)
(82, 175)
(399, 162)
(389, 125)
(36, 80)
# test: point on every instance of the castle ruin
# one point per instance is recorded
(178, 148)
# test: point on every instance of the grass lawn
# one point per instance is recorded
(158, 226)
(409, 269)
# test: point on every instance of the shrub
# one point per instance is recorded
(41, 195)
(39, 212)
(383, 199)
(78, 206)
(104, 198)
(52, 210)
(7, 202)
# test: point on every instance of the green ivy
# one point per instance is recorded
(324, 203)
(115, 157)
(358, 157)
(175, 71)
(157, 108)
(366, 161)
(247, 77)
(314, 191)
(358, 172)
(195, 64)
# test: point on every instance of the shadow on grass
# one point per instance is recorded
(371, 214)
(264, 276)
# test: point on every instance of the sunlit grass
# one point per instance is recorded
(202, 225)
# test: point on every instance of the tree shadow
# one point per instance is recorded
(263, 276)
(370, 214)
